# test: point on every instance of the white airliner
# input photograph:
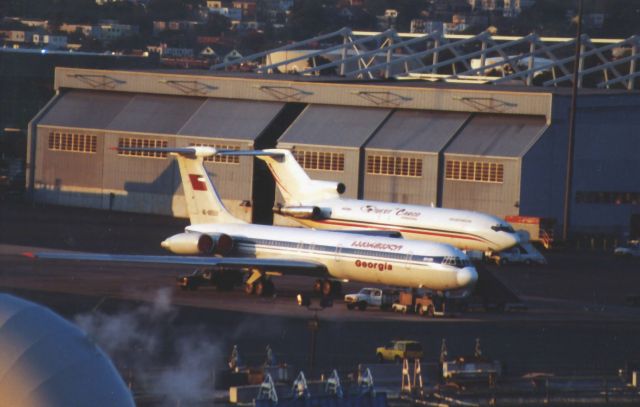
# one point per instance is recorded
(319, 204)
(264, 251)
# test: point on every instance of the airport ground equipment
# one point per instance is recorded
(631, 249)
(371, 297)
(523, 253)
(305, 393)
(491, 294)
(409, 302)
(396, 350)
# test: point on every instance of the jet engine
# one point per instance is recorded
(329, 187)
(299, 212)
(199, 243)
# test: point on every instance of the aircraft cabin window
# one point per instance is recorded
(503, 228)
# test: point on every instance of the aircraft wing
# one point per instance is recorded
(284, 266)
(377, 233)
(254, 153)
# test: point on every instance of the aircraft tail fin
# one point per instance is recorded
(293, 182)
(203, 202)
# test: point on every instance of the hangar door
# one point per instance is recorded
(337, 133)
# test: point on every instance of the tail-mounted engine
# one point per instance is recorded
(199, 243)
(299, 212)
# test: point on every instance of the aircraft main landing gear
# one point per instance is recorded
(262, 287)
(327, 288)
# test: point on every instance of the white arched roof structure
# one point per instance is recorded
(47, 361)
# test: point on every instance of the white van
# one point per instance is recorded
(523, 253)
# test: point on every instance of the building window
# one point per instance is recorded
(126, 142)
(397, 166)
(319, 160)
(477, 171)
(220, 158)
(608, 198)
(74, 142)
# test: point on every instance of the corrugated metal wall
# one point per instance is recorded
(500, 199)
(335, 129)
(61, 177)
(106, 179)
(607, 162)
(414, 190)
(493, 139)
(413, 134)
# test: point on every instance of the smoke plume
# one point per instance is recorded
(157, 360)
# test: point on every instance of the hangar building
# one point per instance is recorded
(499, 148)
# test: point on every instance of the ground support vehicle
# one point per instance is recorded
(632, 249)
(523, 253)
(425, 305)
(397, 350)
(491, 294)
(467, 369)
(223, 280)
(371, 297)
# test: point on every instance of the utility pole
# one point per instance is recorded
(572, 128)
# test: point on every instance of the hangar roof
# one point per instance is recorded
(498, 135)
(231, 119)
(340, 126)
(418, 130)
(162, 114)
(46, 360)
(155, 113)
(78, 108)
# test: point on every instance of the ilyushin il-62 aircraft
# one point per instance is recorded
(227, 247)
(319, 204)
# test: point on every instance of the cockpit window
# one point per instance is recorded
(456, 262)
(503, 228)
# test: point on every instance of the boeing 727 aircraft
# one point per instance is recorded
(219, 241)
(318, 204)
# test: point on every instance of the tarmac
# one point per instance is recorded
(576, 322)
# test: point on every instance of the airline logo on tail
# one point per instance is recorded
(197, 182)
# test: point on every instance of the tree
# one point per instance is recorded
(217, 24)
(312, 17)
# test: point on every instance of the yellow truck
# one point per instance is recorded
(397, 350)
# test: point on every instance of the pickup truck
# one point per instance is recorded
(397, 350)
(370, 297)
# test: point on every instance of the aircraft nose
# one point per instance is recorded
(467, 276)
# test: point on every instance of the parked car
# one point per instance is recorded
(524, 253)
(397, 350)
(632, 249)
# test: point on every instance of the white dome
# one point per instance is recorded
(47, 361)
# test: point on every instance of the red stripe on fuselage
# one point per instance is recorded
(420, 232)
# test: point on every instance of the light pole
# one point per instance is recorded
(572, 128)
